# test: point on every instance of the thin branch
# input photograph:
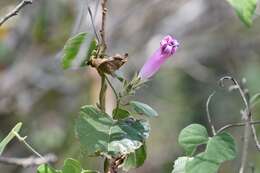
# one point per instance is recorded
(93, 24)
(115, 93)
(242, 94)
(257, 143)
(102, 93)
(29, 161)
(208, 113)
(103, 23)
(22, 139)
(247, 118)
(228, 126)
(15, 11)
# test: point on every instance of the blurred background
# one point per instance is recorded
(36, 91)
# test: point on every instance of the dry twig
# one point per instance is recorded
(15, 11)
(30, 161)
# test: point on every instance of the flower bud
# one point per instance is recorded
(168, 46)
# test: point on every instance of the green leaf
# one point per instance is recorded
(72, 48)
(180, 164)
(135, 159)
(119, 114)
(245, 9)
(89, 171)
(92, 47)
(44, 168)
(99, 133)
(254, 100)
(9, 137)
(220, 148)
(192, 136)
(143, 109)
(200, 164)
(71, 166)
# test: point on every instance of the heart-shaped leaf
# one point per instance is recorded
(220, 148)
(192, 136)
(99, 133)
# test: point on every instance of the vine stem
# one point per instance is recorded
(115, 93)
(102, 94)
(246, 115)
(208, 113)
(228, 126)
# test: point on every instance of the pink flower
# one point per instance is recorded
(168, 46)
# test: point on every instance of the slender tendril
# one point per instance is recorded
(115, 93)
(208, 113)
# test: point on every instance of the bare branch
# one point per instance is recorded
(228, 126)
(103, 24)
(208, 113)
(30, 161)
(15, 11)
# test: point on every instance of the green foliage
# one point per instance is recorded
(135, 159)
(72, 48)
(70, 166)
(143, 109)
(245, 9)
(99, 133)
(46, 169)
(9, 137)
(180, 164)
(120, 114)
(220, 148)
(201, 164)
(93, 45)
(193, 136)
(255, 99)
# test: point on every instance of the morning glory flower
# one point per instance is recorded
(168, 46)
